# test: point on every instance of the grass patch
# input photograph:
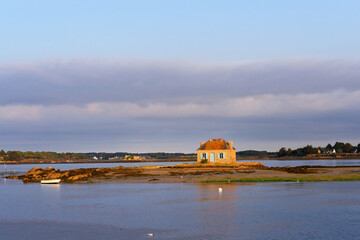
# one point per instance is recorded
(150, 166)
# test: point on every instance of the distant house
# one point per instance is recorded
(330, 151)
(131, 157)
(216, 150)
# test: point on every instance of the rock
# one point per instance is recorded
(64, 174)
(53, 175)
(50, 169)
(79, 177)
(73, 178)
(35, 171)
(37, 178)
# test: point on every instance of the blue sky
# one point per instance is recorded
(164, 75)
(210, 31)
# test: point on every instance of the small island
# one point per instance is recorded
(216, 162)
(195, 173)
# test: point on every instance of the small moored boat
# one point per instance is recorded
(50, 181)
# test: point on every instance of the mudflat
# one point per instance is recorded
(195, 173)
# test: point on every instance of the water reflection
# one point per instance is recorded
(52, 187)
(219, 210)
(185, 211)
(210, 192)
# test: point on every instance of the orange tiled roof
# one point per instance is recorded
(215, 144)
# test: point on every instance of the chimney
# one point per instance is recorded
(231, 144)
(201, 143)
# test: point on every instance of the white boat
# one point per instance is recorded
(51, 181)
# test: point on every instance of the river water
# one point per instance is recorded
(325, 210)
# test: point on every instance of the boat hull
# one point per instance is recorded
(51, 181)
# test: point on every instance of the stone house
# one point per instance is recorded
(216, 150)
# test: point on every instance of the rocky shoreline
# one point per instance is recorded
(37, 174)
(190, 173)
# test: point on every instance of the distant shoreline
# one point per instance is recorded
(95, 161)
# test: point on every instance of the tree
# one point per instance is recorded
(308, 150)
(282, 152)
(348, 148)
(329, 146)
(289, 151)
(2, 153)
(295, 153)
(339, 147)
(13, 156)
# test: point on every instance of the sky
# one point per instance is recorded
(149, 76)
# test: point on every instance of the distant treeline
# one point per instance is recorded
(18, 155)
(157, 155)
(251, 153)
(29, 155)
(338, 147)
(164, 155)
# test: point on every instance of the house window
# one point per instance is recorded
(221, 155)
(203, 156)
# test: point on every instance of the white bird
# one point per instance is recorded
(220, 189)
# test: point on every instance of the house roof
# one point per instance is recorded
(215, 144)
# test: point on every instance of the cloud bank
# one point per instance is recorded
(144, 106)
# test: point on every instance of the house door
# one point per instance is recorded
(212, 157)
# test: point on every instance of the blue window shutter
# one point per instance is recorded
(207, 156)
(218, 156)
(224, 155)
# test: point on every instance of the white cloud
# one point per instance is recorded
(256, 105)
(20, 112)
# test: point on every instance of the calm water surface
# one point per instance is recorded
(18, 169)
(180, 211)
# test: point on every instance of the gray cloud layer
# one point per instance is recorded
(77, 82)
(118, 106)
